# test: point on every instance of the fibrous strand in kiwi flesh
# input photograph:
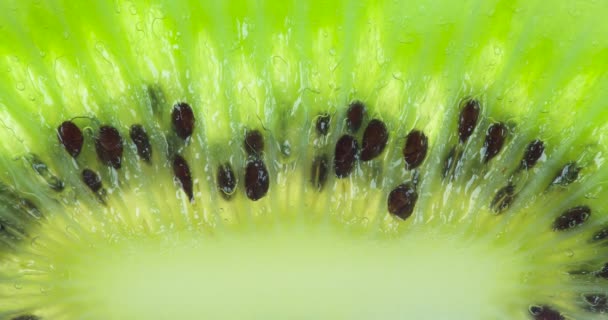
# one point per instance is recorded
(264, 159)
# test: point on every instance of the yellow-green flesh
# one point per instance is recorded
(150, 253)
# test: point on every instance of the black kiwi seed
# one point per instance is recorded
(142, 142)
(257, 180)
(567, 175)
(226, 180)
(181, 170)
(26, 317)
(354, 116)
(71, 137)
(183, 120)
(597, 302)
(375, 138)
(573, 217)
(91, 179)
(322, 124)
(319, 172)
(545, 313)
(468, 119)
(109, 147)
(600, 235)
(402, 200)
(603, 273)
(254, 142)
(596, 299)
(534, 151)
(495, 138)
(503, 199)
(346, 154)
(415, 149)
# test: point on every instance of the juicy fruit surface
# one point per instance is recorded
(400, 159)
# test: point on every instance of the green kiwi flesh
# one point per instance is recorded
(318, 160)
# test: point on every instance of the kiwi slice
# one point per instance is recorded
(303, 159)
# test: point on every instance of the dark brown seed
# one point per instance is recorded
(468, 119)
(402, 200)
(254, 142)
(322, 124)
(495, 138)
(183, 120)
(108, 145)
(91, 179)
(181, 170)
(503, 199)
(226, 181)
(257, 180)
(71, 137)
(600, 235)
(545, 313)
(142, 142)
(567, 175)
(534, 151)
(345, 156)
(354, 116)
(597, 302)
(415, 149)
(596, 299)
(374, 141)
(320, 170)
(26, 317)
(573, 217)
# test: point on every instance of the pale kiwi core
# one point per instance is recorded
(295, 270)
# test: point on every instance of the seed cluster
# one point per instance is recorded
(348, 153)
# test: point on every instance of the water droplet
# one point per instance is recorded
(20, 86)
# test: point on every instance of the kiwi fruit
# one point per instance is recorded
(407, 159)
